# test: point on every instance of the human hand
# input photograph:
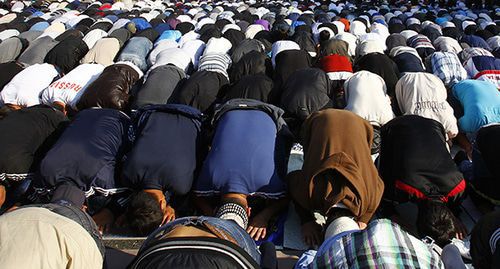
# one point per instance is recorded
(104, 220)
(361, 225)
(257, 228)
(168, 214)
(311, 232)
(461, 230)
(468, 151)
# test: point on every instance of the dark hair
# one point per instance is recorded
(324, 36)
(58, 106)
(4, 111)
(436, 220)
(144, 214)
(231, 200)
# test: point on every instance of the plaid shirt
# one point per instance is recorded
(448, 68)
(468, 53)
(383, 244)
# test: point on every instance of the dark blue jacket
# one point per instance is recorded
(166, 143)
(87, 152)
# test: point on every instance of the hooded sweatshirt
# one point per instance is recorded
(338, 167)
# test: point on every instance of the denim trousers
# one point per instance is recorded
(136, 51)
(228, 227)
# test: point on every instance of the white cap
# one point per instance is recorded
(339, 225)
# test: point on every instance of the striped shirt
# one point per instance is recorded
(215, 63)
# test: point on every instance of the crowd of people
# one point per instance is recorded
(197, 124)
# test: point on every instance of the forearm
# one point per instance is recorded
(463, 141)
(3, 195)
(304, 214)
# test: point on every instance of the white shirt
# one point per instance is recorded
(280, 46)
(366, 96)
(425, 95)
(25, 88)
(93, 36)
(69, 88)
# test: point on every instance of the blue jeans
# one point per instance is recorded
(135, 51)
(226, 226)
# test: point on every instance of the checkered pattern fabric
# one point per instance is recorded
(383, 244)
(448, 68)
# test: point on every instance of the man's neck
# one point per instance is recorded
(241, 198)
(158, 195)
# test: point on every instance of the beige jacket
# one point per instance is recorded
(103, 52)
(38, 238)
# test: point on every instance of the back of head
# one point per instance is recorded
(4, 111)
(436, 220)
(324, 36)
(144, 214)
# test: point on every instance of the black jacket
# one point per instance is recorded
(67, 54)
(166, 149)
(200, 91)
(159, 86)
(111, 89)
(415, 163)
(305, 92)
(25, 136)
(88, 150)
